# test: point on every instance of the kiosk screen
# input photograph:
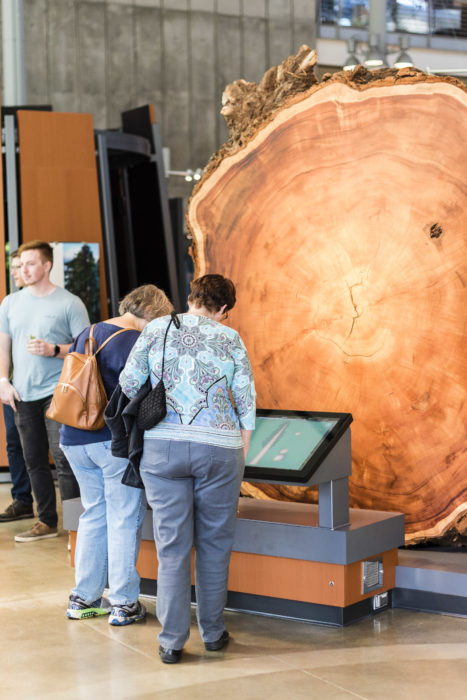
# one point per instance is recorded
(290, 445)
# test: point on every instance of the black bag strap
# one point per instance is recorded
(173, 319)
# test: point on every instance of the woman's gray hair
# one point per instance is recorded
(147, 301)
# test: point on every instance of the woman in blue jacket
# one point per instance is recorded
(109, 530)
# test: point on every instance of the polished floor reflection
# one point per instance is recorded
(398, 654)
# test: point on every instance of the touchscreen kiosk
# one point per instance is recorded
(289, 446)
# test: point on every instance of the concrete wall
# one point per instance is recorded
(107, 56)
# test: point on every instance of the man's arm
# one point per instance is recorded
(8, 393)
(36, 346)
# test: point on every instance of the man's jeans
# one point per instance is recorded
(193, 491)
(21, 486)
(109, 531)
(39, 434)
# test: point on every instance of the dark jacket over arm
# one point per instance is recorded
(127, 438)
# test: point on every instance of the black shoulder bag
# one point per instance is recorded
(153, 408)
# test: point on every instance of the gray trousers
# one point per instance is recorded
(193, 491)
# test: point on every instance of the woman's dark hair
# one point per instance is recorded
(212, 292)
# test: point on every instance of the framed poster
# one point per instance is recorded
(76, 268)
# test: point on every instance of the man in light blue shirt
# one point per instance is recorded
(38, 325)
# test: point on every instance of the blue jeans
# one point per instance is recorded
(193, 491)
(21, 486)
(109, 530)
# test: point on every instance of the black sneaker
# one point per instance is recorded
(219, 643)
(16, 511)
(170, 656)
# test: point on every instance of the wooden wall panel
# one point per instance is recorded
(58, 181)
(308, 581)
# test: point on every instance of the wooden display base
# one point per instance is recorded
(289, 579)
(292, 569)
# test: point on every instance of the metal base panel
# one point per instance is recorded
(304, 612)
(291, 531)
(425, 601)
(432, 582)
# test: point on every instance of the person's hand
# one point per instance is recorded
(36, 346)
(8, 393)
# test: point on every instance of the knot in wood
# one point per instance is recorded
(435, 231)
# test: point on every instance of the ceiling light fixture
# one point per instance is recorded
(403, 60)
(352, 60)
(375, 58)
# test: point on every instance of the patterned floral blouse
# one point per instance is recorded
(203, 360)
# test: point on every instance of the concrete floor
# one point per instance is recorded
(398, 654)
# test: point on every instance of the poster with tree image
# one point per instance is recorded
(76, 268)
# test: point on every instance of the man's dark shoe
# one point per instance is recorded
(16, 511)
(170, 656)
(219, 644)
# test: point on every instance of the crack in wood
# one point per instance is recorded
(462, 281)
(358, 315)
(349, 354)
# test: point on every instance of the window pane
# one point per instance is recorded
(354, 13)
(408, 16)
(329, 12)
(346, 13)
(447, 17)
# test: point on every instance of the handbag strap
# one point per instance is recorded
(173, 319)
(122, 330)
(89, 339)
(87, 344)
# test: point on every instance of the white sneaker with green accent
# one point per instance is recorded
(78, 609)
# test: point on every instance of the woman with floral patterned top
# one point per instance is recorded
(193, 460)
